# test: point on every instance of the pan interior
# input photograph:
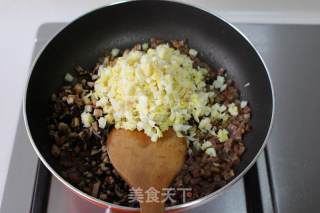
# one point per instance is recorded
(123, 25)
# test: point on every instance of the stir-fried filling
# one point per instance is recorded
(205, 108)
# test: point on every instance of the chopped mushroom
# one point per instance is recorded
(95, 189)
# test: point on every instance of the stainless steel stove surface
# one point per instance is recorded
(285, 176)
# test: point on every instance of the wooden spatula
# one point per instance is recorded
(145, 164)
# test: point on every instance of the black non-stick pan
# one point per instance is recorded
(122, 25)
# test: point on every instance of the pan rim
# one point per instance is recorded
(190, 204)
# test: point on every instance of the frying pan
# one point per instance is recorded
(122, 25)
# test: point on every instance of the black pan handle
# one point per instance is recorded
(41, 189)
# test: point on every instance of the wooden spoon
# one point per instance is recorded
(144, 164)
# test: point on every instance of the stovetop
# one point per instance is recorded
(283, 180)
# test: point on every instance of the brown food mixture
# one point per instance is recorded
(84, 162)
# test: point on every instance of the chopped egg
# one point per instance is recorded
(102, 102)
(102, 122)
(158, 88)
(223, 87)
(233, 109)
(243, 104)
(218, 112)
(206, 145)
(87, 98)
(115, 52)
(145, 46)
(197, 145)
(70, 99)
(86, 119)
(193, 52)
(211, 152)
(222, 135)
(88, 108)
(219, 82)
(205, 125)
(181, 127)
(68, 77)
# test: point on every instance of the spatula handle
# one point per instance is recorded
(152, 207)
